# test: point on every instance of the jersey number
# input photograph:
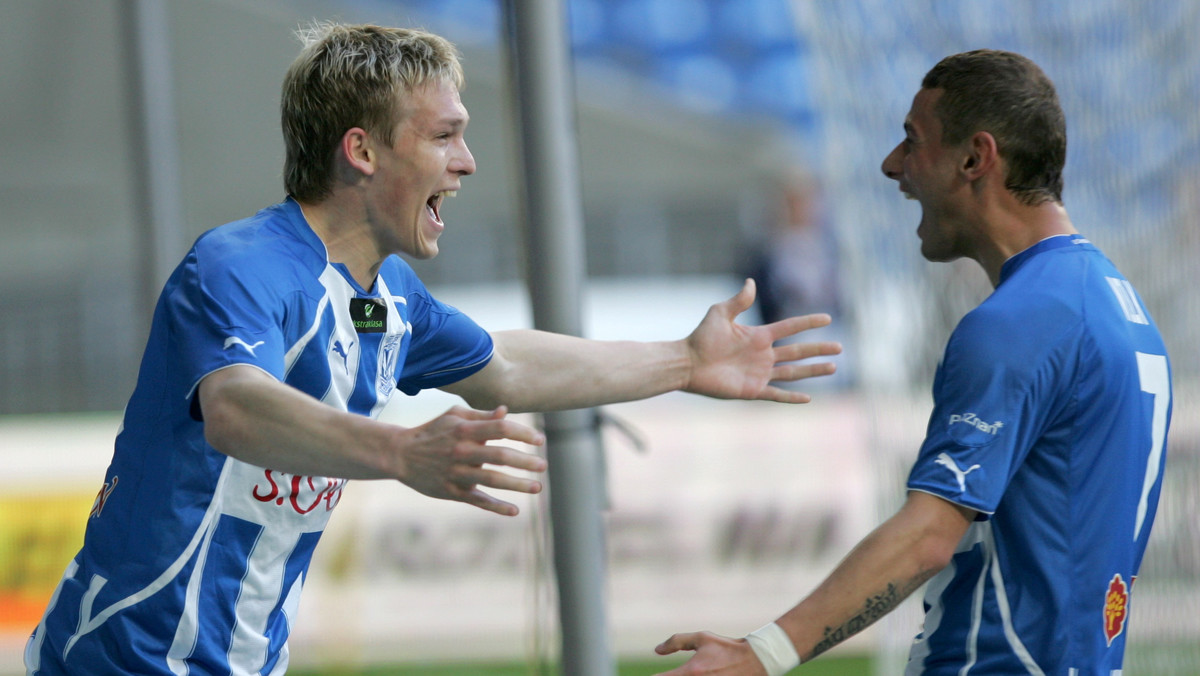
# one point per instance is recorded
(1152, 370)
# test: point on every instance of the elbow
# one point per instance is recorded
(219, 426)
(936, 528)
(481, 401)
(486, 390)
(935, 552)
(221, 415)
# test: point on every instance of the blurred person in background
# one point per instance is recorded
(795, 263)
(1033, 495)
(280, 338)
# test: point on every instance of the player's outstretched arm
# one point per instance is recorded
(253, 417)
(541, 371)
(736, 361)
(887, 566)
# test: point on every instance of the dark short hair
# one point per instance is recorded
(352, 76)
(1008, 96)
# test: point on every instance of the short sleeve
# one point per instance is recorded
(977, 435)
(221, 315)
(446, 347)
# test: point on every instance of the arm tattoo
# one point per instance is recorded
(874, 608)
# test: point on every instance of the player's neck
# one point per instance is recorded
(1019, 227)
(347, 239)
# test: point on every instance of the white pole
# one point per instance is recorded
(544, 109)
(154, 130)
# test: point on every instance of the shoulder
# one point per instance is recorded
(399, 275)
(248, 238)
(1018, 329)
(404, 285)
(262, 251)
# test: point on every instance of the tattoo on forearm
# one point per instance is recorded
(874, 608)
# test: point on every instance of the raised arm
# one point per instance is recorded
(254, 418)
(539, 371)
(888, 565)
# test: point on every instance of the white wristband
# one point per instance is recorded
(774, 649)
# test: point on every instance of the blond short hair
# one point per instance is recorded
(352, 76)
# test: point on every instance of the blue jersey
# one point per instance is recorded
(192, 561)
(1051, 411)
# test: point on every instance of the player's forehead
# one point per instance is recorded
(435, 103)
(922, 120)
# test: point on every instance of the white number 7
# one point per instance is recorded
(1152, 369)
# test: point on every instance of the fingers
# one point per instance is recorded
(465, 485)
(677, 642)
(741, 301)
(478, 498)
(798, 351)
(797, 371)
(793, 325)
(492, 425)
(472, 476)
(782, 396)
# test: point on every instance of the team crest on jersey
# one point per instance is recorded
(388, 354)
(1116, 608)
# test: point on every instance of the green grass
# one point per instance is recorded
(826, 666)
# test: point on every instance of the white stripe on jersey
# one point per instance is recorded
(389, 349)
(293, 353)
(979, 533)
(342, 374)
(1010, 632)
(188, 629)
(264, 577)
(33, 648)
(290, 605)
(983, 535)
(89, 623)
(933, 619)
(933, 597)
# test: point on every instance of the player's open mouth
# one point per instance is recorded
(434, 204)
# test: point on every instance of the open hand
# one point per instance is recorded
(735, 361)
(446, 457)
(715, 655)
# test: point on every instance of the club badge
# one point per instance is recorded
(1116, 608)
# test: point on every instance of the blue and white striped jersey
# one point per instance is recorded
(192, 561)
(1050, 418)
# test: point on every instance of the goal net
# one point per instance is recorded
(1128, 75)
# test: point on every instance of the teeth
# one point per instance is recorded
(446, 193)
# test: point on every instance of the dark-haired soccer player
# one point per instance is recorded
(1032, 498)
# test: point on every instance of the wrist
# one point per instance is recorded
(774, 649)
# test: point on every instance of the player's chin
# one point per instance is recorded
(425, 251)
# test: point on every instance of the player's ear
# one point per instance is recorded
(357, 151)
(981, 156)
